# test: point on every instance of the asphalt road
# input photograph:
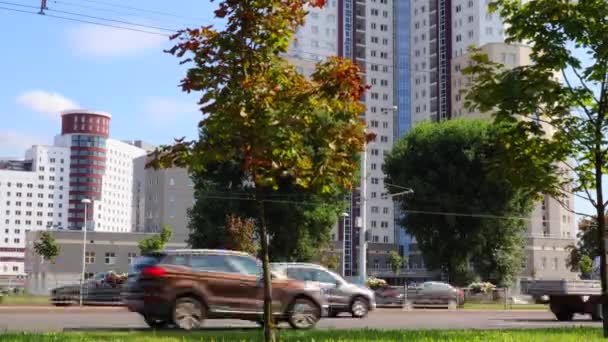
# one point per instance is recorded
(70, 319)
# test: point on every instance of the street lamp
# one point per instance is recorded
(86, 202)
(344, 215)
(363, 231)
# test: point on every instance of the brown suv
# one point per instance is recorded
(184, 287)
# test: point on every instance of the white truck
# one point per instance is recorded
(569, 297)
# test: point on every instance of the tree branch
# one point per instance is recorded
(567, 208)
(580, 103)
(583, 84)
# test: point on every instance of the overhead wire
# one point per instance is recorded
(277, 199)
(75, 19)
(100, 9)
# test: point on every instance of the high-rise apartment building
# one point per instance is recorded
(441, 32)
(46, 189)
(362, 30)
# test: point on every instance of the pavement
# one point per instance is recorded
(47, 319)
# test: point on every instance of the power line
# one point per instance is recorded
(229, 196)
(105, 3)
(72, 4)
(84, 21)
(18, 5)
(113, 20)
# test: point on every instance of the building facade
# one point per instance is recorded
(169, 194)
(362, 30)
(441, 32)
(106, 251)
(45, 190)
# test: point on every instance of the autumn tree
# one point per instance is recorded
(156, 242)
(558, 127)
(282, 128)
(241, 234)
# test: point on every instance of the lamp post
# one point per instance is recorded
(86, 202)
(344, 215)
(363, 196)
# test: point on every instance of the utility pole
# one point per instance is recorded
(42, 7)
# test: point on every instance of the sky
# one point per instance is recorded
(50, 64)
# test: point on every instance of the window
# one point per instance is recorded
(384, 224)
(90, 257)
(375, 239)
(386, 239)
(110, 258)
(244, 265)
(375, 210)
(385, 210)
(210, 263)
(374, 224)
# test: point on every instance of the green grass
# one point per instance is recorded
(476, 306)
(24, 300)
(536, 335)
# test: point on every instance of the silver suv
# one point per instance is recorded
(339, 294)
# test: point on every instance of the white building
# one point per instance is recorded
(45, 190)
(441, 32)
(364, 31)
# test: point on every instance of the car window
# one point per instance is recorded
(210, 263)
(427, 285)
(245, 265)
(325, 277)
(302, 274)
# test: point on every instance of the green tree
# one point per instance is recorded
(47, 248)
(556, 143)
(446, 165)
(586, 245)
(156, 242)
(396, 261)
(301, 235)
(585, 265)
(282, 128)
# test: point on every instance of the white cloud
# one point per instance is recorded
(44, 102)
(13, 143)
(166, 110)
(101, 41)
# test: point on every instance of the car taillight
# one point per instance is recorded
(153, 271)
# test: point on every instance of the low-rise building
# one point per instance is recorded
(105, 251)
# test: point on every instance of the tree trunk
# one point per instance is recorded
(601, 232)
(268, 322)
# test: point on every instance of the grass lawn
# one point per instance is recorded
(537, 335)
(24, 300)
(476, 306)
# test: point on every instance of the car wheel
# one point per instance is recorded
(359, 307)
(564, 316)
(597, 314)
(188, 313)
(156, 323)
(303, 314)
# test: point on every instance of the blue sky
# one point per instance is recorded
(49, 64)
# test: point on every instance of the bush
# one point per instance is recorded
(375, 283)
(481, 287)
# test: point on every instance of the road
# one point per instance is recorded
(66, 319)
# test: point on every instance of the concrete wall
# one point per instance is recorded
(119, 247)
